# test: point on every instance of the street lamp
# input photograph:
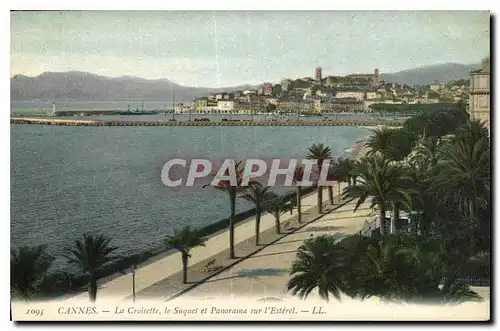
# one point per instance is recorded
(124, 272)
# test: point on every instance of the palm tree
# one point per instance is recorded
(90, 255)
(28, 269)
(319, 263)
(402, 144)
(183, 241)
(428, 148)
(472, 130)
(400, 268)
(352, 166)
(320, 153)
(232, 191)
(381, 180)
(424, 200)
(381, 141)
(343, 171)
(259, 196)
(331, 176)
(298, 176)
(464, 175)
(277, 206)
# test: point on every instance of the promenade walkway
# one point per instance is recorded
(266, 273)
(169, 265)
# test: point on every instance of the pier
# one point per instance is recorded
(70, 122)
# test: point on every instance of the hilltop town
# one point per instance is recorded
(330, 94)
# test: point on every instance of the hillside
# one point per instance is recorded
(83, 86)
(429, 74)
(75, 85)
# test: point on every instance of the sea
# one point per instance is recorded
(71, 180)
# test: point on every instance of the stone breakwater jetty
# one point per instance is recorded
(69, 122)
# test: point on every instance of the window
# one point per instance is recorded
(484, 101)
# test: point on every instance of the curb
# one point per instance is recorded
(189, 288)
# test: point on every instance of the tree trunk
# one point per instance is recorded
(320, 189)
(184, 267)
(382, 220)
(414, 223)
(320, 199)
(472, 207)
(257, 224)
(92, 287)
(277, 224)
(395, 218)
(299, 203)
(232, 197)
(330, 194)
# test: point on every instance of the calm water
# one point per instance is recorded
(45, 107)
(66, 181)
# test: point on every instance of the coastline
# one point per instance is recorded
(330, 122)
(217, 229)
(163, 268)
(359, 149)
(150, 256)
(146, 258)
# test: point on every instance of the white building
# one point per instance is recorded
(272, 101)
(183, 108)
(432, 101)
(370, 95)
(317, 106)
(358, 95)
(226, 106)
(437, 86)
(285, 84)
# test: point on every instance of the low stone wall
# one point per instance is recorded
(49, 121)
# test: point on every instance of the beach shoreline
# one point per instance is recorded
(169, 264)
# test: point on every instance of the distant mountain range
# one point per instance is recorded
(428, 74)
(76, 85)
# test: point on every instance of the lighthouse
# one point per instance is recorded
(53, 108)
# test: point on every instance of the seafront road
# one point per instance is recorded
(266, 273)
(152, 273)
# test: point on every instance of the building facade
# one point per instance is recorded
(358, 95)
(182, 108)
(267, 89)
(368, 79)
(226, 106)
(285, 84)
(370, 95)
(479, 95)
(317, 106)
(318, 75)
(200, 105)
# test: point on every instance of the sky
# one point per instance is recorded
(218, 49)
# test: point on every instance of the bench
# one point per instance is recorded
(211, 267)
